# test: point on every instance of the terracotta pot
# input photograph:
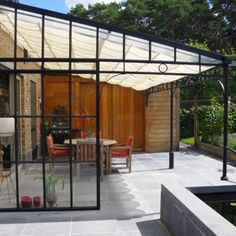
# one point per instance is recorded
(37, 201)
(26, 201)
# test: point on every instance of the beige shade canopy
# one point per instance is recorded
(136, 62)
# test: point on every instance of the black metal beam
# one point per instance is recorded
(186, 81)
(65, 72)
(171, 153)
(98, 148)
(225, 144)
(15, 112)
(43, 138)
(103, 60)
(70, 117)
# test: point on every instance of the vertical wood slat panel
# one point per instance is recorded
(122, 109)
(157, 124)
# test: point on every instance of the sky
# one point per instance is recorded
(61, 5)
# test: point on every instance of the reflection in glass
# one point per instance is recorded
(29, 32)
(57, 182)
(28, 93)
(6, 30)
(30, 185)
(7, 180)
(84, 184)
(29, 139)
(56, 96)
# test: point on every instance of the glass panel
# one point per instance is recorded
(111, 66)
(28, 92)
(59, 131)
(57, 65)
(56, 97)
(83, 41)
(56, 41)
(7, 175)
(136, 48)
(111, 79)
(29, 34)
(7, 19)
(187, 56)
(162, 52)
(84, 184)
(83, 96)
(110, 44)
(29, 146)
(57, 182)
(30, 185)
(205, 68)
(210, 60)
(83, 66)
(36, 66)
(6, 94)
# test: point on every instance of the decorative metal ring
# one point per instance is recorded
(163, 68)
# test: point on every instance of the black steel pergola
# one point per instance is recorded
(156, 68)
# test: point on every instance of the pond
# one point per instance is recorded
(223, 203)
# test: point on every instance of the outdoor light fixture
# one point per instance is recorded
(7, 129)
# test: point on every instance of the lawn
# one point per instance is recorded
(231, 141)
(188, 140)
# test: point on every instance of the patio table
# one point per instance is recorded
(106, 143)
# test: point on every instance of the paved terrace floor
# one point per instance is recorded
(130, 203)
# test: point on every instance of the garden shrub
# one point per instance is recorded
(211, 122)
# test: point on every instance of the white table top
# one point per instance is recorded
(106, 142)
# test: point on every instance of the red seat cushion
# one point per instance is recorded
(120, 152)
(55, 152)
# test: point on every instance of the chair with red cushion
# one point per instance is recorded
(56, 150)
(122, 151)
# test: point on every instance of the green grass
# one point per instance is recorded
(188, 140)
(232, 143)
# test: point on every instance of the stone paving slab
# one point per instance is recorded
(130, 203)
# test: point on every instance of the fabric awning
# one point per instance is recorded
(138, 62)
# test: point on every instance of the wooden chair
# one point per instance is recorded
(122, 151)
(86, 153)
(5, 175)
(57, 150)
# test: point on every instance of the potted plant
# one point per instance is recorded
(51, 181)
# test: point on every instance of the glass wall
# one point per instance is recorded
(39, 163)
(39, 168)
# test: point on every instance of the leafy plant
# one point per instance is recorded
(51, 181)
(211, 121)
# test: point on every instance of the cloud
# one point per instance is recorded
(72, 3)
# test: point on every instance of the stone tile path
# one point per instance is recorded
(130, 203)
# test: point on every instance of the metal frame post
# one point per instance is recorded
(225, 94)
(171, 153)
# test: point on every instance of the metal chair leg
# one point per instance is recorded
(8, 192)
(12, 185)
